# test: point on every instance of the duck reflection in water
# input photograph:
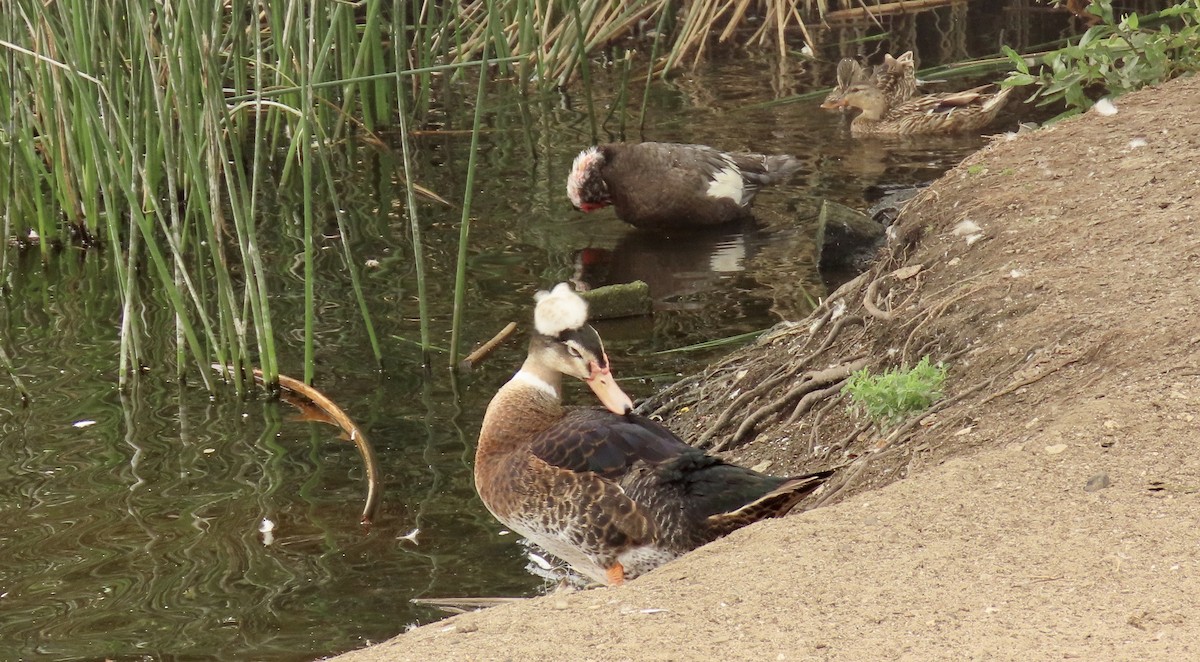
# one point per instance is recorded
(675, 267)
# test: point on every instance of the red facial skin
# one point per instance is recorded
(591, 206)
(605, 388)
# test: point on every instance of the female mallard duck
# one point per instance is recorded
(609, 492)
(896, 77)
(955, 112)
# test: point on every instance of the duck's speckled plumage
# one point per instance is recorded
(954, 112)
(613, 494)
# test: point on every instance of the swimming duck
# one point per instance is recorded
(661, 186)
(611, 493)
(954, 112)
(896, 77)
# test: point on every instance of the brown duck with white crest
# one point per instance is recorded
(611, 493)
(664, 186)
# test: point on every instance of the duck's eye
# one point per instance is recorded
(574, 352)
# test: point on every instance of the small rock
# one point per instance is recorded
(560, 604)
(762, 467)
(1097, 482)
(1055, 449)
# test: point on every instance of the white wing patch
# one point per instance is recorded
(727, 183)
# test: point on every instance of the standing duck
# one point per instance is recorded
(955, 112)
(662, 186)
(611, 493)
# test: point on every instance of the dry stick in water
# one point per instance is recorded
(483, 351)
(334, 415)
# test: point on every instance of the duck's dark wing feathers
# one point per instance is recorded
(605, 443)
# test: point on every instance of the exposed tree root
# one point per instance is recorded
(791, 378)
(809, 382)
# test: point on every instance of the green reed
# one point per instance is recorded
(171, 134)
(464, 232)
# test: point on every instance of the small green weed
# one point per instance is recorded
(892, 396)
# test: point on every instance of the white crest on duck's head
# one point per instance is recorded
(581, 170)
(558, 310)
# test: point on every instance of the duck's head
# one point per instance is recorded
(564, 342)
(848, 72)
(585, 185)
(866, 97)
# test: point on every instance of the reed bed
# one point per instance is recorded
(162, 132)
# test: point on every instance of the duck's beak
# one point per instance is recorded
(605, 388)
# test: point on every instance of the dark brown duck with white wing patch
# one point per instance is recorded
(662, 186)
(609, 492)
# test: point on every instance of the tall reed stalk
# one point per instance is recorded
(464, 229)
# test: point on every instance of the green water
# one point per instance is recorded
(130, 522)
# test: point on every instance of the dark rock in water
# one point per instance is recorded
(889, 201)
(1097, 482)
(847, 239)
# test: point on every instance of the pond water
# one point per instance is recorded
(130, 523)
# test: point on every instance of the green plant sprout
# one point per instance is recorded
(893, 395)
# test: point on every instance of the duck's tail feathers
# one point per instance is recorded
(765, 169)
(775, 503)
(994, 104)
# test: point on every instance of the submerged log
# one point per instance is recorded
(623, 300)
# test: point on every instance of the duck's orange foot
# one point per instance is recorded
(615, 574)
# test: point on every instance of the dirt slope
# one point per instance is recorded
(1079, 303)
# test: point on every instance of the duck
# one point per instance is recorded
(896, 77)
(953, 112)
(671, 186)
(611, 493)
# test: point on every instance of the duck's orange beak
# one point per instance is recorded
(605, 388)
